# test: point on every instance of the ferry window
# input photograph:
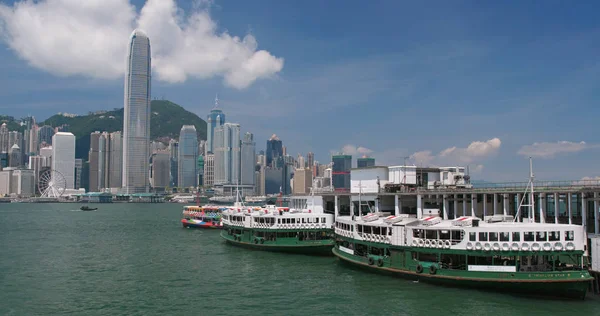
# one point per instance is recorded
(323, 220)
(444, 234)
(457, 235)
(431, 234)
(516, 236)
(540, 236)
(279, 221)
(569, 235)
(303, 221)
(504, 236)
(472, 236)
(377, 230)
(493, 236)
(483, 236)
(554, 236)
(528, 236)
(317, 220)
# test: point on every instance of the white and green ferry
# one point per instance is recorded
(306, 230)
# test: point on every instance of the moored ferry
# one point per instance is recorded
(494, 253)
(272, 228)
(207, 216)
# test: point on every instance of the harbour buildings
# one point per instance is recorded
(227, 157)
(136, 121)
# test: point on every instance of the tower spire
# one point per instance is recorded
(216, 101)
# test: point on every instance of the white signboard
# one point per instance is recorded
(347, 250)
(493, 268)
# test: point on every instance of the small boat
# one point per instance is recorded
(87, 208)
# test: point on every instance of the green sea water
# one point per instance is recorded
(136, 259)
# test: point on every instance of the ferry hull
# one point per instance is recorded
(321, 249)
(574, 287)
(189, 224)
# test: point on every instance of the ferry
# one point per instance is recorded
(493, 253)
(202, 216)
(282, 229)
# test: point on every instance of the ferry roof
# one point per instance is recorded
(416, 223)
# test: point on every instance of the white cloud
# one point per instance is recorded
(89, 38)
(547, 150)
(355, 150)
(476, 151)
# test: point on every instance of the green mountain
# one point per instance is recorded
(166, 121)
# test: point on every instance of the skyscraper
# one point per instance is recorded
(227, 154)
(136, 120)
(212, 123)
(341, 172)
(45, 134)
(115, 168)
(63, 156)
(94, 159)
(248, 160)
(274, 149)
(4, 146)
(187, 157)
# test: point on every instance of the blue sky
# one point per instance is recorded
(460, 82)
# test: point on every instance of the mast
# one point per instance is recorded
(531, 205)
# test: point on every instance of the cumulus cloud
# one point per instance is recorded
(89, 38)
(476, 151)
(355, 150)
(546, 150)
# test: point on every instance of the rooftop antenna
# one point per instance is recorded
(531, 205)
(216, 101)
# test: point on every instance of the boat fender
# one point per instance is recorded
(419, 268)
(379, 262)
(432, 269)
(371, 261)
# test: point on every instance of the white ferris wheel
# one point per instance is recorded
(52, 184)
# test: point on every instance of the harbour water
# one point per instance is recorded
(136, 259)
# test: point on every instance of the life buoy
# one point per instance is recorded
(447, 244)
(371, 261)
(432, 269)
(440, 243)
(421, 242)
(414, 243)
(379, 262)
(419, 268)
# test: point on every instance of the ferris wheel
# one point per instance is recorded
(52, 184)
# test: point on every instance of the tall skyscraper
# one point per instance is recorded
(33, 139)
(274, 149)
(227, 154)
(174, 152)
(187, 157)
(310, 160)
(63, 156)
(94, 159)
(212, 123)
(115, 168)
(136, 120)
(4, 146)
(248, 160)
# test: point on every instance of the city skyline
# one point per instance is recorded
(480, 90)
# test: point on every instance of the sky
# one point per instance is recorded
(480, 83)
